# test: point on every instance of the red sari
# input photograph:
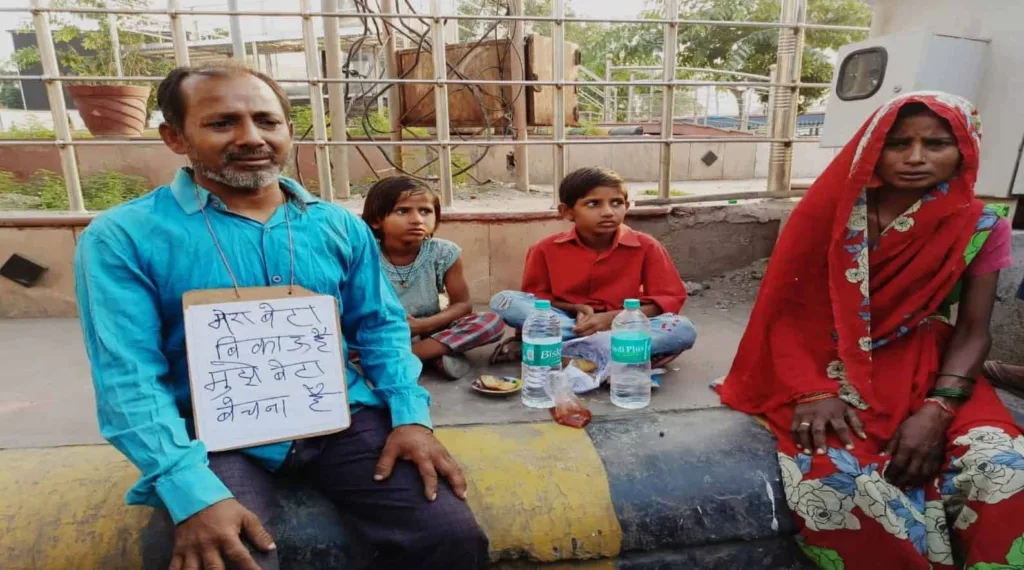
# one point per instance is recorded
(834, 315)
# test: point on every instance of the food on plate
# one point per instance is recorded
(497, 384)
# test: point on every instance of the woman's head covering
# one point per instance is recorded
(828, 301)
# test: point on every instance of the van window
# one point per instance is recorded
(861, 74)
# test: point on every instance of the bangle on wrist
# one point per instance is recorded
(961, 394)
(815, 397)
(940, 404)
(970, 379)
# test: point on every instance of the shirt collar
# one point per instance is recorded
(625, 236)
(184, 189)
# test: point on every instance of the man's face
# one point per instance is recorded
(235, 131)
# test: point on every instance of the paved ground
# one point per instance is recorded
(46, 397)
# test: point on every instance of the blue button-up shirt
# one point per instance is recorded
(132, 266)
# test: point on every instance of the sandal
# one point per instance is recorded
(508, 351)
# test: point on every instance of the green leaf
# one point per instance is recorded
(988, 566)
(1015, 556)
(825, 558)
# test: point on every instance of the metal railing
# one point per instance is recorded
(784, 87)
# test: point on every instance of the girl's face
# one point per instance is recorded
(413, 218)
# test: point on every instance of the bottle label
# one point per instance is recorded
(549, 355)
(631, 348)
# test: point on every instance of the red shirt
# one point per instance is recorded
(560, 268)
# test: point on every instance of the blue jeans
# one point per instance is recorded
(670, 334)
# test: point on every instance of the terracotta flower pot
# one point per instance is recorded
(111, 110)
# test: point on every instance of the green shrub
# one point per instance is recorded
(7, 183)
(101, 190)
(32, 129)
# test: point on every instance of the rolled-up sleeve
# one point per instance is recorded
(661, 282)
(374, 324)
(137, 413)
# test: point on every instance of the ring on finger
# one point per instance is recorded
(805, 424)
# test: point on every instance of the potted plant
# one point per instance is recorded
(114, 108)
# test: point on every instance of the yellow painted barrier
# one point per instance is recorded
(539, 490)
(63, 508)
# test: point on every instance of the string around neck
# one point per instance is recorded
(224, 257)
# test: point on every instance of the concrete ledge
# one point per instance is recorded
(704, 240)
(701, 485)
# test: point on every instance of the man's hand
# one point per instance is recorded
(811, 422)
(206, 538)
(418, 445)
(918, 447)
(593, 323)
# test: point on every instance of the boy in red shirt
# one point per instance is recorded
(589, 271)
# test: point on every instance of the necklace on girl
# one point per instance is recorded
(403, 279)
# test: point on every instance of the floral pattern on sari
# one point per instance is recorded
(990, 471)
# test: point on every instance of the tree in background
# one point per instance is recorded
(10, 96)
(746, 50)
(753, 50)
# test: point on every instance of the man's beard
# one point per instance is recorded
(248, 180)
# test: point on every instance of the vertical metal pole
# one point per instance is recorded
(115, 43)
(790, 56)
(58, 107)
(630, 93)
(255, 55)
(707, 104)
(237, 43)
(336, 99)
(178, 34)
(377, 54)
(668, 100)
(519, 124)
(441, 103)
(316, 102)
(745, 111)
(394, 92)
(559, 165)
(773, 74)
(609, 103)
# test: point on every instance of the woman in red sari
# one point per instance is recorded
(892, 448)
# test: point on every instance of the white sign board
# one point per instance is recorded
(265, 370)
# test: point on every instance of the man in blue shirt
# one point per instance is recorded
(232, 220)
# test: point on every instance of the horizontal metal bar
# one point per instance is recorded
(833, 28)
(416, 16)
(379, 81)
(694, 69)
(433, 143)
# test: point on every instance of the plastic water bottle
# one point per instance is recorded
(631, 358)
(542, 354)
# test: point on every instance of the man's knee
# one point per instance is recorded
(456, 542)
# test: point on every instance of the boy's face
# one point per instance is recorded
(598, 213)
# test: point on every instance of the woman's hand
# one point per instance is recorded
(918, 447)
(812, 420)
